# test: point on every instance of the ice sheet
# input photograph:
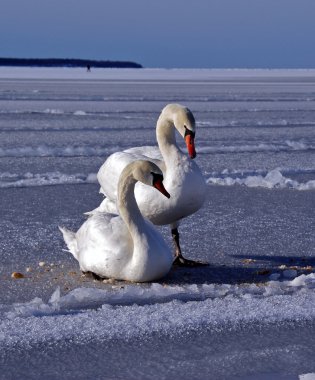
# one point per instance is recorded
(250, 313)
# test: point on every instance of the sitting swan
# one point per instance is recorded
(182, 176)
(125, 247)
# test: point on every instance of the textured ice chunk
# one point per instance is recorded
(55, 298)
(79, 113)
(307, 376)
(45, 179)
(303, 280)
(90, 298)
(273, 179)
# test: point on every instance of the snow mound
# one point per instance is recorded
(90, 298)
(64, 151)
(131, 311)
(53, 111)
(8, 180)
(285, 146)
(79, 113)
(273, 179)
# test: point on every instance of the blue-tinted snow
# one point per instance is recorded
(249, 314)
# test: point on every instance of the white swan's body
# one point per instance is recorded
(182, 177)
(125, 247)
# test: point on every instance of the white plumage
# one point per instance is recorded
(182, 176)
(125, 247)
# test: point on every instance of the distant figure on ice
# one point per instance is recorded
(88, 68)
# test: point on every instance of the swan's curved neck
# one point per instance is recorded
(165, 135)
(127, 205)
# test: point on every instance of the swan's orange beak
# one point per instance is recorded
(158, 184)
(190, 143)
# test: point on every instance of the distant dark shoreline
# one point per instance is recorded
(66, 62)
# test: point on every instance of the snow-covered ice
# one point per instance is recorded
(249, 315)
(273, 179)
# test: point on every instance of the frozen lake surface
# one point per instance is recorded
(248, 315)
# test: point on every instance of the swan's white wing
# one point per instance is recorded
(104, 244)
(145, 152)
(106, 206)
(182, 179)
(110, 171)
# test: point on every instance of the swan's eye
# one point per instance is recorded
(158, 184)
(157, 178)
(189, 132)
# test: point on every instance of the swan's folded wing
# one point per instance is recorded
(106, 206)
(145, 152)
(150, 153)
(110, 171)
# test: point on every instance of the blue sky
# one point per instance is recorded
(164, 33)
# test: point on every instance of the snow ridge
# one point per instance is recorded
(132, 311)
(273, 179)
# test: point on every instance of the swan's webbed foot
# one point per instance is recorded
(179, 258)
(93, 275)
(182, 262)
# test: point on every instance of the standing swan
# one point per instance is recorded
(125, 247)
(182, 176)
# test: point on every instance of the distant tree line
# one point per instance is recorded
(66, 62)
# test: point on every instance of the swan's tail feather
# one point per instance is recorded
(107, 206)
(70, 240)
(92, 212)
